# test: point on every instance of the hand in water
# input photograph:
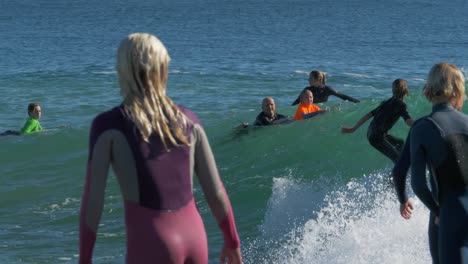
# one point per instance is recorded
(347, 129)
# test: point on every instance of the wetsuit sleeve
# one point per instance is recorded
(298, 99)
(419, 159)
(280, 116)
(400, 171)
(404, 112)
(261, 120)
(28, 126)
(215, 194)
(315, 111)
(334, 92)
(92, 201)
(257, 122)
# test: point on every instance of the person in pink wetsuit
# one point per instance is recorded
(154, 147)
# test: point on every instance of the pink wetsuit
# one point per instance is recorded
(163, 224)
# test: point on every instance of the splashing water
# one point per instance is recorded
(357, 223)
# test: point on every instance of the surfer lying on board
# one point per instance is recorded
(321, 91)
(385, 117)
(32, 123)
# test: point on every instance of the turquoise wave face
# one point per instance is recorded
(302, 192)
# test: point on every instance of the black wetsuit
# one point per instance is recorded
(385, 116)
(10, 132)
(439, 142)
(399, 173)
(322, 93)
(264, 120)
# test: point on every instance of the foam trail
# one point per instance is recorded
(357, 223)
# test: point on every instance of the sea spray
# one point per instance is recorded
(358, 222)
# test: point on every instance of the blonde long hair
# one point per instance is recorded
(142, 66)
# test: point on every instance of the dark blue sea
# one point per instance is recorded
(301, 192)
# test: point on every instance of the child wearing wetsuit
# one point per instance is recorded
(321, 91)
(385, 116)
(32, 123)
(307, 108)
(156, 148)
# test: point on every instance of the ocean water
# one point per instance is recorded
(301, 193)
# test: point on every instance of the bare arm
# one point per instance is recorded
(347, 129)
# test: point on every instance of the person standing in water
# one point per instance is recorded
(154, 147)
(399, 174)
(439, 144)
(384, 118)
(321, 91)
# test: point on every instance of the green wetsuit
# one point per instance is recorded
(31, 125)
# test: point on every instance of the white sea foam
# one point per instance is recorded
(105, 72)
(358, 75)
(356, 223)
(301, 72)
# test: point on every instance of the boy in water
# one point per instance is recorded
(32, 123)
(385, 116)
(307, 108)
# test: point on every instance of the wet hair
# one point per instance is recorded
(142, 67)
(31, 107)
(317, 75)
(400, 88)
(445, 81)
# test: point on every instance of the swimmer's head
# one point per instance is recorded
(142, 67)
(307, 97)
(445, 83)
(400, 88)
(34, 110)
(268, 106)
(316, 78)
